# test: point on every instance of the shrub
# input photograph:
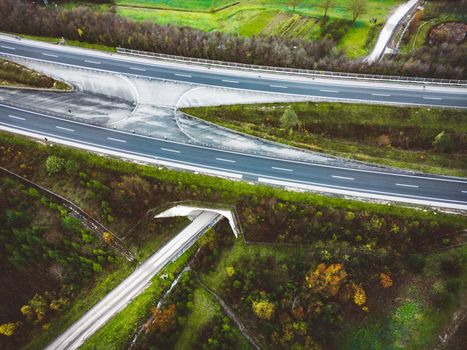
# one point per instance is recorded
(452, 265)
(54, 165)
(443, 142)
(416, 262)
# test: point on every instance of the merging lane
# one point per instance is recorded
(423, 189)
(358, 91)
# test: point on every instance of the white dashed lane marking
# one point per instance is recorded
(15, 117)
(405, 185)
(117, 140)
(170, 150)
(62, 128)
(342, 177)
(283, 169)
(226, 160)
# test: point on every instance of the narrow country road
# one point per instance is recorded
(388, 30)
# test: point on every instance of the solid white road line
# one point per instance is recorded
(112, 139)
(8, 47)
(432, 98)
(92, 62)
(62, 128)
(283, 169)
(368, 194)
(405, 185)
(226, 160)
(183, 75)
(15, 117)
(342, 177)
(323, 90)
(49, 55)
(170, 150)
(279, 86)
(139, 69)
(384, 95)
(230, 81)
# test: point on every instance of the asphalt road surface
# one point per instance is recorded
(357, 91)
(412, 188)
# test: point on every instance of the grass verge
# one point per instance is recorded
(395, 136)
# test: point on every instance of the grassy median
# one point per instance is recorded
(402, 137)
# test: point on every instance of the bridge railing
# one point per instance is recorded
(294, 71)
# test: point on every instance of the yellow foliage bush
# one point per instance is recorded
(359, 296)
(263, 309)
(8, 329)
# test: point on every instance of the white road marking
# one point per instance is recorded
(183, 75)
(118, 140)
(170, 150)
(335, 91)
(93, 62)
(342, 177)
(15, 117)
(136, 68)
(283, 169)
(279, 86)
(49, 55)
(226, 160)
(384, 95)
(8, 47)
(62, 128)
(405, 185)
(432, 98)
(230, 81)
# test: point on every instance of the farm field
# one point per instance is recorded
(260, 17)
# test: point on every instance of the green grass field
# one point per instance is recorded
(259, 17)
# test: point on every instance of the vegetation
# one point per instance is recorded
(88, 24)
(431, 140)
(14, 74)
(333, 273)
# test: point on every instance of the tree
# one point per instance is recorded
(326, 5)
(386, 280)
(263, 309)
(359, 296)
(108, 238)
(443, 142)
(54, 165)
(295, 3)
(289, 119)
(162, 319)
(326, 280)
(8, 329)
(357, 8)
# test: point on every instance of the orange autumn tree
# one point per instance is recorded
(386, 280)
(326, 280)
(162, 320)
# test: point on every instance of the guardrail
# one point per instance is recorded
(294, 71)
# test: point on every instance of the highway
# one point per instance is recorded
(133, 285)
(235, 79)
(382, 184)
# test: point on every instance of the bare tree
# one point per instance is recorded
(357, 7)
(326, 5)
(294, 3)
